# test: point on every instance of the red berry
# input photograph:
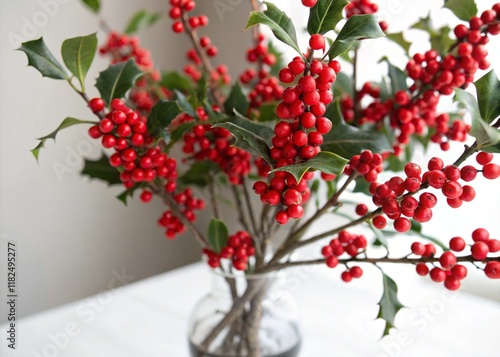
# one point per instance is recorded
(402, 224)
(422, 269)
(435, 164)
(317, 42)
(95, 132)
(492, 270)
(430, 250)
(282, 217)
(309, 3)
(361, 209)
(484, 158)
(96, 105)
(346, 276)
(437, 275)
(412, 170)
(468, 173)
(379, 222)
(459, 272)
(106, 125)
(332, 261)
(417, 248)
(457, 244)
(451, 283)
(447, 260)
(490, 171)
(493, 245)
(479, 250)
(146, 196)
(480, 235)
(356, 272)
(427, 200)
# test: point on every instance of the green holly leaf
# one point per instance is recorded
(397, 77)
(441, 40)
(40, 57)
(93, 5)
(267, 112)
(66, 123)
(325, 15)
(356, 28)
(362, 186)
(324, 161)
(128, 193)
(488, 96)
(343, 85)
(347, 140)
(78, 54)
(116, 81)
(178, 132)
(463, 9)
(279, 23)
(161, 116)
(389, 304)
(236, 100)
(259, 129)
(399, 39)
(485, 135)
(175, 81)
(199, 173)
(141, 20)
(424, 23)
(217, 235)
(247, 140)
(101, 169)
(184, 104)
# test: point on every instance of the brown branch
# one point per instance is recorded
(296, 235)
(384, 260)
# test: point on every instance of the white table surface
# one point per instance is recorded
(149, 318)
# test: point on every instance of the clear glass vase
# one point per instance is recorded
(245, 316)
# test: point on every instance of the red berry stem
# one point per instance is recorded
(174, 207)
(293, 242)
(278, 266)
(207, 65)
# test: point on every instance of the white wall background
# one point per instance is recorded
(72, 234)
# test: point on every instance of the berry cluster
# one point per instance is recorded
(187, 204)
(396, 196)
(449, 271)
(298, 137)
(350, 244)
(215, 144)
(138, 160)
(283, 189)
(433, 75)
(122, 47)
(184, 22)
(264, 88)
(375, 112)
(146, 91)
(239, 249)
(367, 164)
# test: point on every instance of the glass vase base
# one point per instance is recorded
(195, 352)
